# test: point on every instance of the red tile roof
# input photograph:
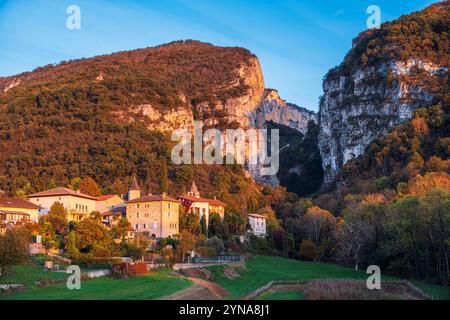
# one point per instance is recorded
(213, 202)
(106, 197)
(60, 191)
(17, 203)
(152, 198)
(254, 215)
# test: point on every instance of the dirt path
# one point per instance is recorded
(217, 291)
(194, 292)
(201, 290)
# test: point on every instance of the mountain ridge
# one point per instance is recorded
(388, 73)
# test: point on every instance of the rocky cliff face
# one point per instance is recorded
(235, 110)
(364, 105)
(273, 108)
(386, 75)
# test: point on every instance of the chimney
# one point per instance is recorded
(164, 195)
(78, 191)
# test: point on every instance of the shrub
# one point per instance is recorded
(308, 250)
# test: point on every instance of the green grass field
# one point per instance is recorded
(152, 286)
(260, 270)
(28, 274)
(257, 272)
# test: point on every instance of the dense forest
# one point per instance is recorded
(422, 34)
(300, 162)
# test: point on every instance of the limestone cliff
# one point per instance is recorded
(380, 83)
(273, 108)
(350, 120)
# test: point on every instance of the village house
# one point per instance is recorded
(112, 208)
(194, 203)
(156, 216)
(108, 202)
(77, 204)
(257, 224)
(13, 210)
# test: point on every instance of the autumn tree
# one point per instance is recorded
(188, 243)
(91, 234)
(57, 218)
(89, 186)
(318, 223)
(119, 187)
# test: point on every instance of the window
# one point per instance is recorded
(146, 215)
(145, 226)
(169, 214)
(136, 226)
(168, 205)
(137, 214)
(136, 206)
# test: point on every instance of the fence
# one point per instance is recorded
(263, 289)
(217, 259)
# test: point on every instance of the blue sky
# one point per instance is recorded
(297, 41)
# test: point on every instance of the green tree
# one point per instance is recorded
(70, 246)
(14, 247)
(75, 183)
(189, 221)
(405, 225)
(203, 227)
(236, 223)
(216, 227)
(164, 183)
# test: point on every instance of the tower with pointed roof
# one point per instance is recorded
(194, 191)
(135, 190)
